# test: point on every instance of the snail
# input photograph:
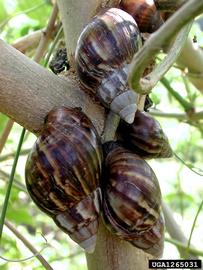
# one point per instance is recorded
(63, 174)
(104, 50)
(132, 199)
(145, 14)
(145, 137)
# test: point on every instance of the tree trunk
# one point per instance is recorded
(110, 253)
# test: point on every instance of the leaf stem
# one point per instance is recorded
(10, 182)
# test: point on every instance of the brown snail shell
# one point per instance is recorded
(145, 137)
(145, 14)
(115, 94)
(105, 46)
(132, 199)
(63, 173)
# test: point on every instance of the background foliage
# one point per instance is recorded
(182, 189)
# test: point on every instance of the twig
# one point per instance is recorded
(5, 134)
(193, 226)
(58, 35)
(151, 79)
(175, 231)
(11, 154)
(184, 103)
(46, 34)
(153, 45)
(29, 41)
(182, 246)
(179, 116)
(70, 256)
(191, 168)
(17, 184)
(29, 246)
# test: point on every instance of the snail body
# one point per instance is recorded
(145, 14)
(132, 200)
(105, 46)
(63, 171)
(145, 137)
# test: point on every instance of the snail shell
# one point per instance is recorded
(145, 137)
(63, 173)
(115, 94)
(108, 42)
(131, 199)
(104, 48)
(145, 14)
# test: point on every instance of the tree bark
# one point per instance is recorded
(28, 91)
(110, 253)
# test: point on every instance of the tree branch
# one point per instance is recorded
(27, 42)
(28, 91)
(191, 58)
(158, 40)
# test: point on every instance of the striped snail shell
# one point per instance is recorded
(115, 94)
(105, 46)
(145, 14)
(145, 137)
(63, 173)
(132, 199)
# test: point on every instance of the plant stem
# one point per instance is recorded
(58, 35)
(10, 182)
(46, 265)
(157, 41)
(193, 226)
(175, 231)
(184, 103)
(11, 154)
(17, 184)
(179, 116)
(46, 34)
(182, 246)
